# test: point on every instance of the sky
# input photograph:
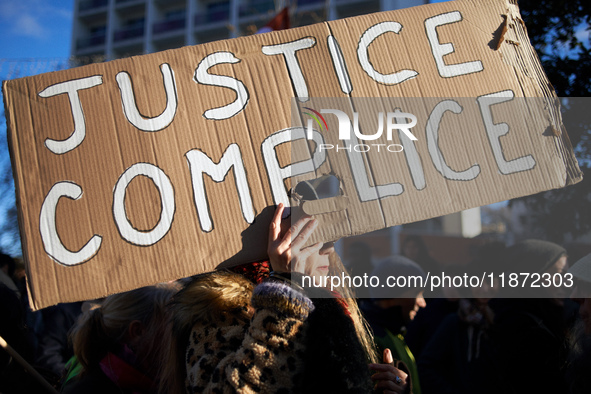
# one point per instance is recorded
(35, 28)
(35, 36)
(32, 29)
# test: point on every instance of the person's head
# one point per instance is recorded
(401, 279)
(482, 294)
(319, 263)
(205, 299)
(134, 320)
(581, 294)
(539, 257)
(327, 262)
(20, 271)
(409, 304)
(210, 295)
(7, 264)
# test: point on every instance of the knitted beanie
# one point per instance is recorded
(533, 255)
(283, 297)
(406, 273)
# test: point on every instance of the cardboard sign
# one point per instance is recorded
(161, 166)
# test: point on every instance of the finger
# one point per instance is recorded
(275, 226)
(385, 368)
(300, 263)
(292, 232)
(402, 379)
(388, 359)
(307, 252)
(303, 236)
(384, 376)
(390, 373)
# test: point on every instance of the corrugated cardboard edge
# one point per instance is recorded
(533, 63)
(13, 159)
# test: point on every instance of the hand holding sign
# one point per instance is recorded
(285, 250)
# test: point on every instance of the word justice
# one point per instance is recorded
(287, 50)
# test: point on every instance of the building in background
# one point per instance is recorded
(111, 29)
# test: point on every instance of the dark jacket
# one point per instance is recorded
(425, 324)
(531, 343)
(54, 351)
(460, 358)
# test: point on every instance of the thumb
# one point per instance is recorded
(388, 359)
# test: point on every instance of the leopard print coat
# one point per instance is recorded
(248, 351)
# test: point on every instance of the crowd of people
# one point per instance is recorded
(254, 328)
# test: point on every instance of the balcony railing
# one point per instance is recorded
(254, 7)
(92, 41)
(128, 33)
(212, 17)
(168, 25)
(92, 4)
(310, 2)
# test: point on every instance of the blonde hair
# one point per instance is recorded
(362, 328)
(205, 300)
(104, 328)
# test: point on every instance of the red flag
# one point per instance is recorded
(279, 22)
